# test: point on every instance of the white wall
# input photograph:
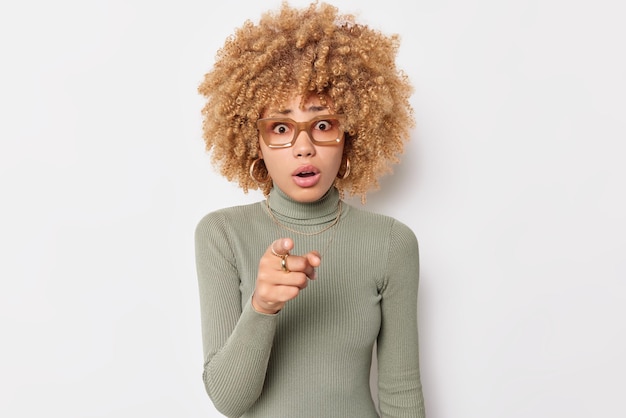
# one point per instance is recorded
(513, 182)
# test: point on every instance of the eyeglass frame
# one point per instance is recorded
(306, 127)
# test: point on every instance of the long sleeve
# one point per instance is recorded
(399, 384)
(237, 341)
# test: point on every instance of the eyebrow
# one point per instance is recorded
(309, 109)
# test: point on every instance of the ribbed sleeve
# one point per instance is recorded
(399, 384)
(237, 339)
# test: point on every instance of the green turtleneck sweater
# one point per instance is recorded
(313, 358)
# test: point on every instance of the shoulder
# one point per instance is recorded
(220, 219)
(390, 234)
(366, 220)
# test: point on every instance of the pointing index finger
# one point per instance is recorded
(281, 247)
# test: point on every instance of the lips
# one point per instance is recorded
(306, 176)
(306, 171)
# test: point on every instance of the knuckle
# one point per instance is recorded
(263, 292)
(300, 280)
(291, 292)
(262, 277)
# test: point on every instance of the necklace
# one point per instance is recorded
(326, 228)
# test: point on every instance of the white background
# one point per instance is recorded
(513, 183)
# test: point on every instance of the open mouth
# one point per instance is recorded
(306, 176)
(306, 171)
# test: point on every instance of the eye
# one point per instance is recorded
(323, 125)
(280, 128)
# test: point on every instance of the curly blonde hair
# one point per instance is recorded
(301, 52)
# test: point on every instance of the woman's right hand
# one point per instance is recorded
(276, 286)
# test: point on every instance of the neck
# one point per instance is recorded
(290, 210)
(304, 218)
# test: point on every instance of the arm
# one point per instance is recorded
(237, 343)
(399, 385)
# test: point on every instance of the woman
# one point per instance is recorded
(295, 291)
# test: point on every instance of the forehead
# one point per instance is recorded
(311, 104)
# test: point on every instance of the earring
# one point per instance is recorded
(253, 170)
(346, 172)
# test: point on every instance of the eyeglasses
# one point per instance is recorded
(282, 132)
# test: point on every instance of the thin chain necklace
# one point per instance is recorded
(326, 228)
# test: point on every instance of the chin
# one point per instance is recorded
(308, 195)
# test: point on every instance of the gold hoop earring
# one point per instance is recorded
(253, 170)
(346, 172)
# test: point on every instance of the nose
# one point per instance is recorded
(303, 147)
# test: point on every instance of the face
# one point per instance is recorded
(304, 171)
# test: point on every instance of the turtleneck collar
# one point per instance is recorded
(319, 212)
